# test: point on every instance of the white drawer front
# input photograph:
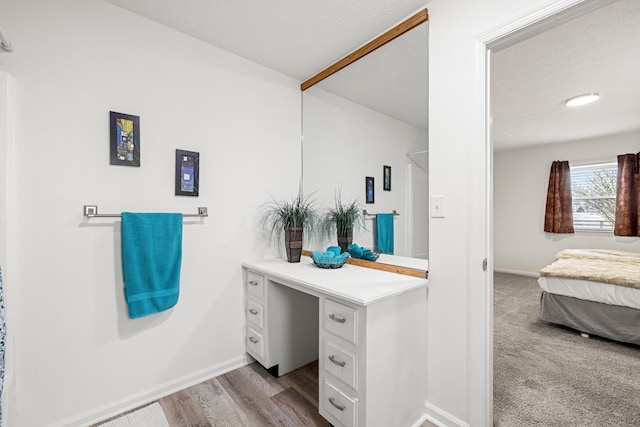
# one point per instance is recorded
(340, 363)
(255, 314)
(255, 343)
(340, 405)
(341, 320)
(255, 285)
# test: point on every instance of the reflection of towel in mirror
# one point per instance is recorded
(384, 233)
(151, 260)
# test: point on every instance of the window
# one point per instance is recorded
(593, 189)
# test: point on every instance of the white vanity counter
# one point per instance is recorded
(366, 327)
(358, 285)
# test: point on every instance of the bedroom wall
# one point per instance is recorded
(337, 132)
(78, 357)
(521, 178)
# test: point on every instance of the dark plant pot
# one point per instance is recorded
(293, 243)
(345, 239)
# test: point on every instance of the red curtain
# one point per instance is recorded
(627, 196)
(558, 217)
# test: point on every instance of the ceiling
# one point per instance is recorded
(595, 52)
(393, 80)
(296, 37)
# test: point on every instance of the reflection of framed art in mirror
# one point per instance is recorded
(386, 178)
(370, 190)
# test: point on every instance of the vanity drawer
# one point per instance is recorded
(255, 285)
(340, 363)
(341, 320)
(255, 343)
(255, 314)
(339, 405)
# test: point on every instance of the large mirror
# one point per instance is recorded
(367, 116)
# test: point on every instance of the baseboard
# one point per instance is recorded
(520, 272)
(136, 400)
(422, 419)
(442, 418)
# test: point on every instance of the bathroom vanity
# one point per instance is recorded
(366, 327)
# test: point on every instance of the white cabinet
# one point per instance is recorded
(341, 408)
(255, 343)
(341, 320)
(341, 362)
(282, 324)
(366, 327)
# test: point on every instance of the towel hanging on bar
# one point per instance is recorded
(151, 261)
(384, 233)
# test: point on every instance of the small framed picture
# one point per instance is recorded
(125, 139)
(370, 195)
(386, 173)
(187, 173)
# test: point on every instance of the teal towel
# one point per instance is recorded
(151, 260)
(384, 233)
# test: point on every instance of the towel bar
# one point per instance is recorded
(371, 216)
(91, 211)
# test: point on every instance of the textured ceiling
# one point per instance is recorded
(597, 51)
(296, 37)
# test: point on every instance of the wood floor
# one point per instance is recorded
(249, 396)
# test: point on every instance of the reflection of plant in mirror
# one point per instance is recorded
(341, 219)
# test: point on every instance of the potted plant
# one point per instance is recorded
(340, 220)
(292, 217)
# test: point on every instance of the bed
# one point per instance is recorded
(595, 291)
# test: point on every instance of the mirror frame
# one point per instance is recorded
(389, 35)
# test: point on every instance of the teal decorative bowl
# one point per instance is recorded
(329, 259)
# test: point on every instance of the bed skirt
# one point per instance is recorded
(609, 321)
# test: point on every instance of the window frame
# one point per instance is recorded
(595, 165)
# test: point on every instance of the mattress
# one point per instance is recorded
(592, 291)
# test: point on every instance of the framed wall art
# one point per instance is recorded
(386, 174)
(125, 139)
(187, 173)
(369, 190)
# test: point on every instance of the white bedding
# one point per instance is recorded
(592, 291)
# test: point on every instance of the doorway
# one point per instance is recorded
(525, 31)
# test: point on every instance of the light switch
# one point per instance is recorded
(437, 206)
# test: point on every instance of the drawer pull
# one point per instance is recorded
(253, 283)
(337, 362)
(338, 406)
(253, 311)
(336, 318)
(253, 340)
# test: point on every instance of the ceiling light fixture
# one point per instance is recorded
(587, 98)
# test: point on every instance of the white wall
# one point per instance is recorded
(7, 234)
(75, 349)
(78, 356)
(344, 143)
(521, 180)
(459, 291)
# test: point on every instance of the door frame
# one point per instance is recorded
(519, 28)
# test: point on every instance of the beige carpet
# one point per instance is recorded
(547, 375)
(149, 416)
